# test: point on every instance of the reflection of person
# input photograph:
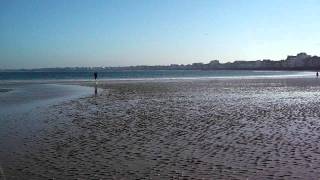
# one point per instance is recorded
(95, 75)
(95, 90)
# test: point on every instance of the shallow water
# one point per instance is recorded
(22, 97)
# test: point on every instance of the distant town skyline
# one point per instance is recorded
(301, 61)
(41, 34)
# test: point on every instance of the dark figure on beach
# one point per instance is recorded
(95, 90)
(95, 75)
(317, 74)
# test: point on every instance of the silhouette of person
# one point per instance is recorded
(317, 74)
(95, 75)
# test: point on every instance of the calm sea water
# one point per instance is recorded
(145, 74)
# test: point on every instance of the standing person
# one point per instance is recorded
(95, 75)
(317, 74)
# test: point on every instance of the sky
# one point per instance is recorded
(60, 33)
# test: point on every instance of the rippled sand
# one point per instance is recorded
(217, 129)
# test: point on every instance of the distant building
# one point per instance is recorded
(214, 62)
(198, 65)
(297, 61)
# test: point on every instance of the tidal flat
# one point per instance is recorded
(193, 129)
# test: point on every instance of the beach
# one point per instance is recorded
(130, 90)
(263, 128)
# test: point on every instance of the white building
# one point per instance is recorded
(298, 60)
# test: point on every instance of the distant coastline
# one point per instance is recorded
(300, 62)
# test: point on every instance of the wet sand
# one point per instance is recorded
(23, 115)
(201, 129)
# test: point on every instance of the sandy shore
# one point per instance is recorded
(209, 129)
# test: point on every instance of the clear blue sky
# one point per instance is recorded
(56, 33)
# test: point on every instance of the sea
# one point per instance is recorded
(147, 74)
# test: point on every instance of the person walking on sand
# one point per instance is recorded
(317, 74)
